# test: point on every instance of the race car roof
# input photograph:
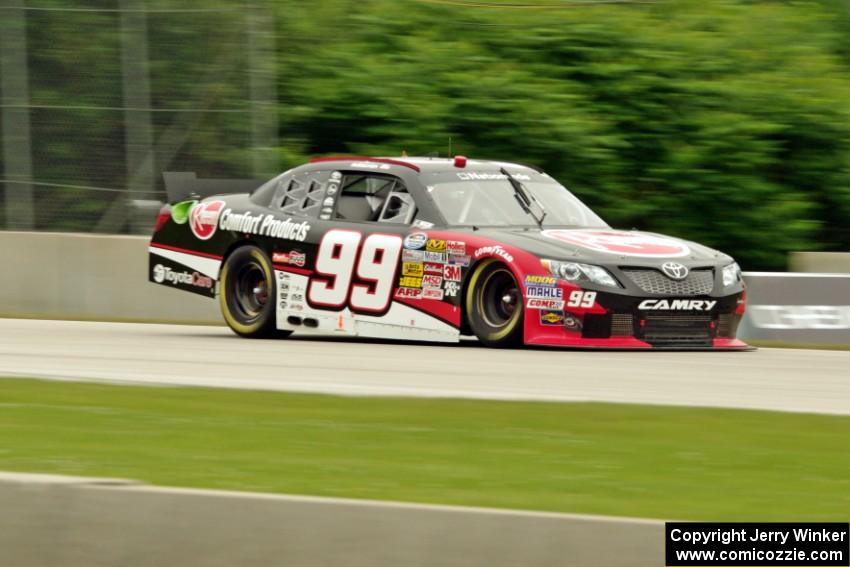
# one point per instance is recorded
(427, 164)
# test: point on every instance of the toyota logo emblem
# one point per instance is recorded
(674, 271)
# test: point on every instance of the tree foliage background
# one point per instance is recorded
(725, 122)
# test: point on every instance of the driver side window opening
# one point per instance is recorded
(368, 197)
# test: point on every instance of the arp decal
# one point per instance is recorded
(621, 243)
(408, 293)
(203, 219)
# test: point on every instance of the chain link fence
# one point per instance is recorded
(98, 99)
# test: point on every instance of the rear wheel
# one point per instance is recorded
(247, 293)
(494, 305)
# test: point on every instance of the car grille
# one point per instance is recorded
(673, 329)
(726, 325)
(698, 282)
(622, 325)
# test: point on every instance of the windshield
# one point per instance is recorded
(493, 202)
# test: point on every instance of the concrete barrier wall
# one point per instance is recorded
(50, 520)
(820, 262)
(85, 276)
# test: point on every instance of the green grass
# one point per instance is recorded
(573, 457)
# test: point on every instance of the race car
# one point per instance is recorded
(435, 249)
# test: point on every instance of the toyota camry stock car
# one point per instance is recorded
(431, 249)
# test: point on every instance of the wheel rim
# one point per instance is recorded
(251, 290)
(499, 299)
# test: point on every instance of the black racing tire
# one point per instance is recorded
(247, 294)
(494, 305)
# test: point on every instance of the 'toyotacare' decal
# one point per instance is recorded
(622, 243)
(203, 219)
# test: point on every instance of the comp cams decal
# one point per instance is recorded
(621, 243)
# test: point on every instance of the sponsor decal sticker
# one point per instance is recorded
(456, 247)
(549, 304)
(451, 288)
(432, 268)
(487, 176)
(408, 293)
(409, 281)
(452, 273)
(431, 293)
(415, 241)
(545, 292)
(435, 245)
(412, 255)
(439, 257)
(493, 251)
(460, 260)
(621, 243)
(540, 280)
(293, 258)
(180, 211)
(412, 269)
(677, 304)
(203, 218)
(263, 225)
(370, 165)
(430, 280)
(162, 274)
(552, 318)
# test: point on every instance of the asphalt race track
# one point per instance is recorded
(775, 379)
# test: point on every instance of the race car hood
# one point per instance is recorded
(608, 246)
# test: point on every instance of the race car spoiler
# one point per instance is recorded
(180, 186)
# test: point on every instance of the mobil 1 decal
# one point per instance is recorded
(355, 271)
(170, 273)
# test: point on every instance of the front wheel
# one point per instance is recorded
(247, 293)
(494, 305)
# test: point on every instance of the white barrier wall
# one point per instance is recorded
(86, 276)
(50, 520)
